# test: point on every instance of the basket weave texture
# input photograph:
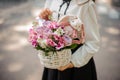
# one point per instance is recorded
(54, 61)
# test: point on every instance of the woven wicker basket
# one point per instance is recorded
(54, 61)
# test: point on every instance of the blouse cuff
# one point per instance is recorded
(82, 55)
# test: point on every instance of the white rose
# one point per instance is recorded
(59, 31)
(42, 42)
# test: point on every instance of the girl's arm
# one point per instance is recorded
(92, 39)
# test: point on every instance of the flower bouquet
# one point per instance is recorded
(53, 41)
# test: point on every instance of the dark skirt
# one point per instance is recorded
(87, 72)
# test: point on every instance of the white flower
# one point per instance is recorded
(42, 42)
(59, 31)
(40, 21)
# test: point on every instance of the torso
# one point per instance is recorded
(74, 9)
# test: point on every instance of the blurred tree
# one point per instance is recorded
(94, 0)
(116, 3)
(12, 0)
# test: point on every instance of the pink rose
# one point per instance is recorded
(51, 42)
(61, 40)
(59, 45)
(34, 43)
(56, 37)
(53, 25)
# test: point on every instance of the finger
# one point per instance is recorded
(65, 19)
(83, 34)
(81, 39)
(61, 23)
(74, 41)
(62, 68)
(71, 65)
(82, 30)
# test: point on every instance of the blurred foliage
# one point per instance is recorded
(116, 3)
(12, 0)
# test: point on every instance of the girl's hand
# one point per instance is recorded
(44, 13)
(82, 37)
(62, 68)
(64, 21)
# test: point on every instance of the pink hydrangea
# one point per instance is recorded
(68, 40)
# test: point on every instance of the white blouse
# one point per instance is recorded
(85, 10)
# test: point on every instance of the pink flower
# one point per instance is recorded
(68, 40)
(40, 30)
(34, 43)
(33, 37)
(51, 42)
(46, 23)
(56, 37)
(61, 40)
(74, 35)
(61, 43)
(32, 32)
(53, 25)
(51, 34)
(43, 32)
(59, 46)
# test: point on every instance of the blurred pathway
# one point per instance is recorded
(107, 60)
(18, 60)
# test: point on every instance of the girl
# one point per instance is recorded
(82, 65)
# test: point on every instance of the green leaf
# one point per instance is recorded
(46, 53)
(35, 23)
(72, 46)
(50, 17)
(39, 48)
